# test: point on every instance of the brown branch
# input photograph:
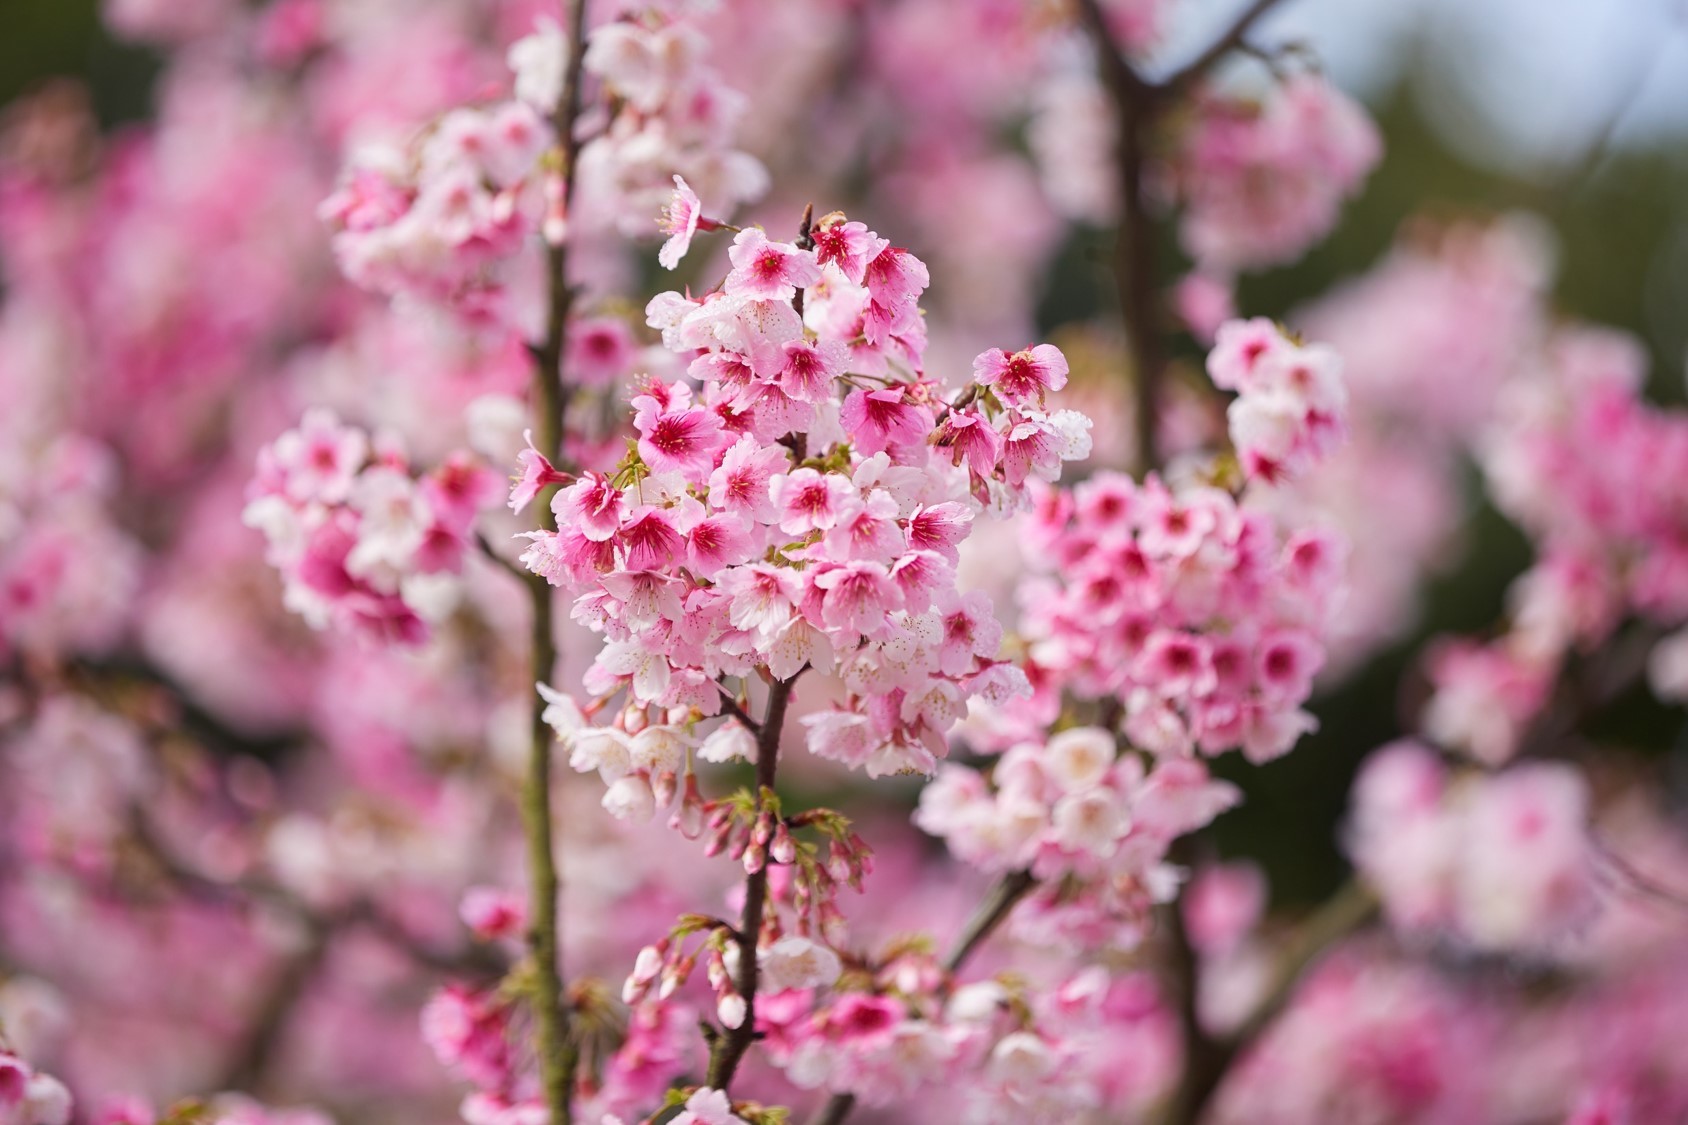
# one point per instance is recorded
(558, 1053)
(479, 961)
(998, 903)
(1230, 40)
(251, 1058)
(730, 703)
(503, 563)
(1346, 911)
(732, 1044)
(1137, 105)
(1203, 1057)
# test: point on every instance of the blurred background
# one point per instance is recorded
(1575, 111)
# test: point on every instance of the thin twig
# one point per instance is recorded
(503, 563)
(1136, 105)
(731, 1046)
(737, 711)
(557, 1051)
(251, 1058)
(1230, 40)
(1636, 879)
(1346, 911)
(999, 901)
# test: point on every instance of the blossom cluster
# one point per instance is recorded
(67, 570)
(454, 215)
(1428, 339)
(803, 507)
(361, 542)
(1194, 612)
(1083, 818)
(442, 218)
(1046, 1053)
(1499, 862)
(676, 116)
(1260, 181)
(1289, 412)
(1610, 532)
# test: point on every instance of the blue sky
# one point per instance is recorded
(1519, 83)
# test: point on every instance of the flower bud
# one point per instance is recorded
(784, 847)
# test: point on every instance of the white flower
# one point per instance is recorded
(562, 714)
(604, 749)
(732, 741)
(1020, 1059)
(631, 798)
(1090, 822)
(659, 747)
(538, 61)
(1079, 758)
(797, 962)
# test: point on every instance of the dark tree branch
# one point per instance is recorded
(733, 1043)
(558, 1053)
(998, 903)
(1137, 105)
(1232, 39)
(730, 703)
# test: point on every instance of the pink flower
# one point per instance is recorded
(920, 575)
(798, 962)
(894, 279)
(851, 246)
(716, 542)
(970, 437)
(859, 1018)
(467, 1032)
(811, 369)
(808, 500)
(883, 419)
(317, 461)
(591, 505)
(768, 270)
(971, 631)
(1176, 664)
(866, 528)
(841, 736)
(740, 483)
(940, 528)
(762, 597)
(1285, 663)
(1035, 446)
(536, 474)
(679, 441)
(492, 912)
(679, 221)
(1241, 350)
(650, 540)
(14, 1080)
(1022, 379)
(600, 350)
(858, 596)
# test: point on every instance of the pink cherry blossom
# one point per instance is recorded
(769, 270)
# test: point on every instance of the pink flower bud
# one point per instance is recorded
(664, 785)
(784, 847)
